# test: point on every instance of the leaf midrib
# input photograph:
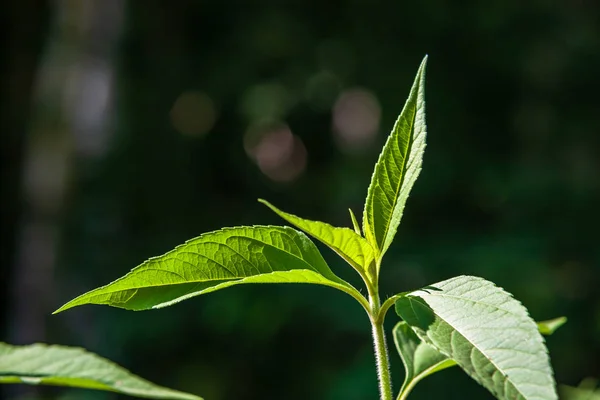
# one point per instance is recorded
(199, 241)
(402, 177)
(475, 346)
(506, 380)
(212, 280)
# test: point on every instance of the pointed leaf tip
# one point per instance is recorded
(355, 224)
(396, 170)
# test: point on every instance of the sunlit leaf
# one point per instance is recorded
(41, 364)
(487, 332)
(419, 358)
(396, 170)
(216, 260)
(345, 242)
(355, 224)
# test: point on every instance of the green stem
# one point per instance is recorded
(387, 304)
(380, 347)
(406, 389)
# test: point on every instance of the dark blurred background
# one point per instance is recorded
(129, 127)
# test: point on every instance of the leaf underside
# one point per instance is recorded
(41, 364)
(216, 260)
(487, 332)
(420, 359)
(396, 170)
(345, 242)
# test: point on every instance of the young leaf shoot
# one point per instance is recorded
(465, 321)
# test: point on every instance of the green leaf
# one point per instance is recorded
(355, 223)
(585, 391)
(216, 260)
(487, 332)
(345, 242)
(396, 170)
(419, 358)
(550, 326)
(41, 364)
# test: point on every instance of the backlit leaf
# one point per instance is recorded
(396, 170)
(550, 326)
(345, 242)
(354, 222)
(216, 260)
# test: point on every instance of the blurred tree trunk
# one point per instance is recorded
(58, 103)
(24, 25)
(71, 101)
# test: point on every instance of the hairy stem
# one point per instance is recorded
(380, 347)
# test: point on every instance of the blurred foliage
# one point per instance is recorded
(215, 104)
(585, 391)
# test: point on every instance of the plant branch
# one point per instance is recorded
(387, 305)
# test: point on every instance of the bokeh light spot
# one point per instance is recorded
(193, 113)
(356, 118)
(279, 154)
